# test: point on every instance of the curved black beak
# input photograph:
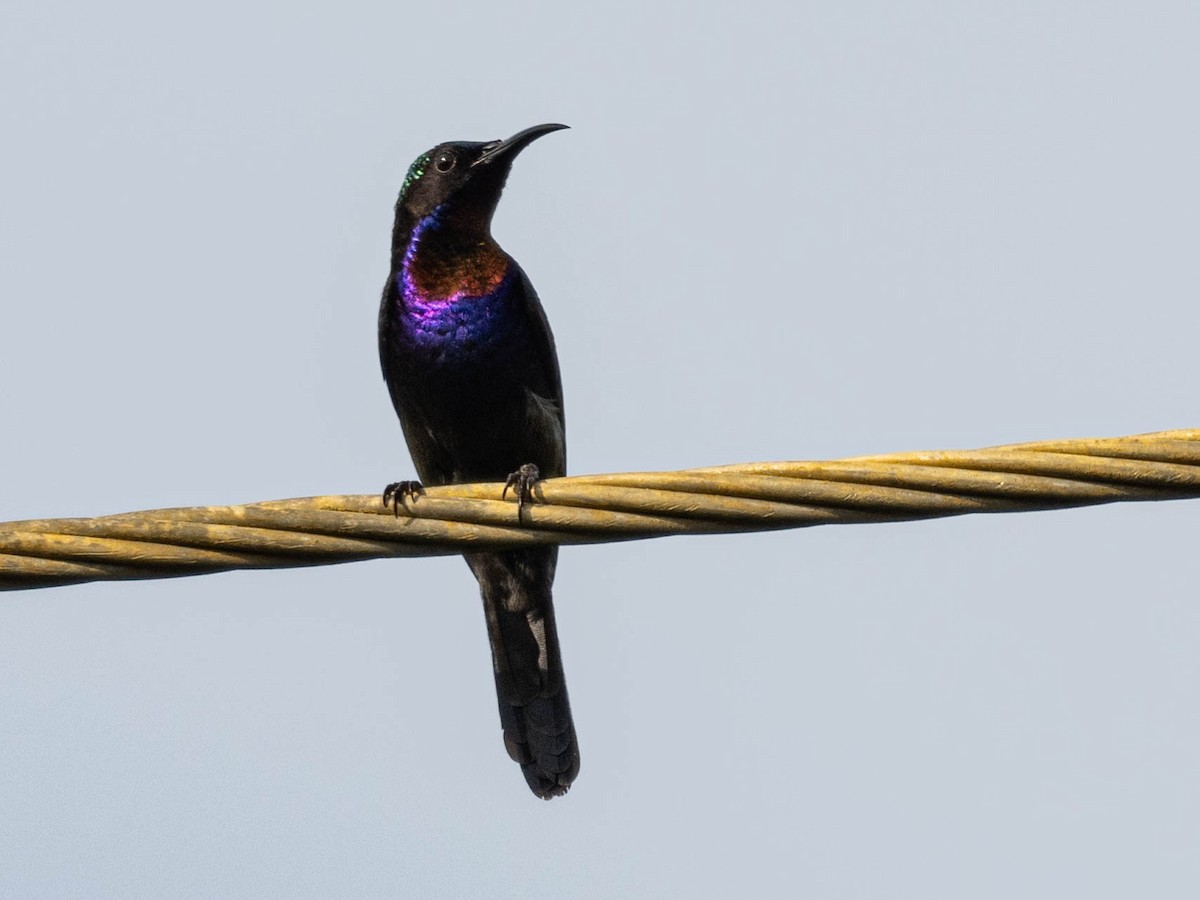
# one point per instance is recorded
(515, 144)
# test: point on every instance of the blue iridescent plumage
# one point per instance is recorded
(457, 328)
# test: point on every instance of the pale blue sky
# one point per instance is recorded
(775, 230)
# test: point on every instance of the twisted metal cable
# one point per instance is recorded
(589, 509)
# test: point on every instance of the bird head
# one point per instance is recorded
(463, 177)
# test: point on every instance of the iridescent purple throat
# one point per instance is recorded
(449, 328)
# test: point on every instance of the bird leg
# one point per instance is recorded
(522, 482)
(399, 491)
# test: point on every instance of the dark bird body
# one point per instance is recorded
(469, 361)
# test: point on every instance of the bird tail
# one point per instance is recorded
(532, 693)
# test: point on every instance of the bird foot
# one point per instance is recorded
(522, 482)
(398, 491)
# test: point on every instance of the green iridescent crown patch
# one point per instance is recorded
(416, 170)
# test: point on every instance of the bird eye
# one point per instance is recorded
(445, 161)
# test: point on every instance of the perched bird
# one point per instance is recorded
(469, 361)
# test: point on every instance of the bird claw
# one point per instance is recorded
(398, 491)
(522, 482)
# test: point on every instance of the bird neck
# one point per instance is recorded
(450, 254)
